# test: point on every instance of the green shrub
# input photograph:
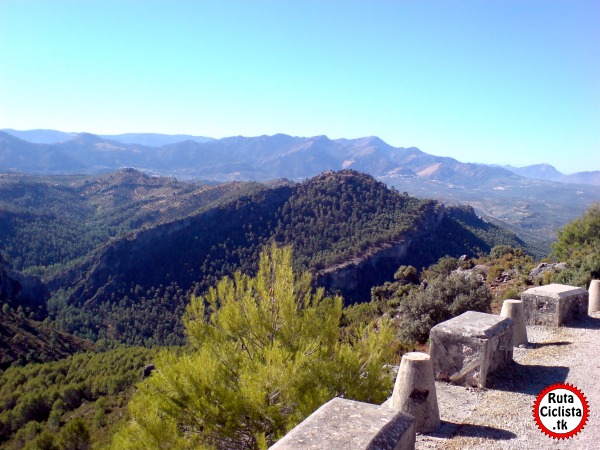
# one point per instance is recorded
(442, 299)
(512, 293)
(75, 435)
(495, 272)
(579, 245)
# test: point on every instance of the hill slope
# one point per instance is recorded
(52, 220)
(23, 339)
(135, 288)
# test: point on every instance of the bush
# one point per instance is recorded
(443, 267)
(501, 250)
(442, 299)
(495, 272)
(74, 436)
(44, 441)
(512, 293)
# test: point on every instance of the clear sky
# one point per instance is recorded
(482, 81)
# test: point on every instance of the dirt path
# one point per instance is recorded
(500, 417)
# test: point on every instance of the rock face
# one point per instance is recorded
(147, 371)
(554, 304)
(347, 424)
(542, 268)
(465, 349)
(355, 278)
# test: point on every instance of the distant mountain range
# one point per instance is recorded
(247, 158)
(549, 173)
(533, 201)
(149, 139)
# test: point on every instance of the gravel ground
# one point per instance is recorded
(500, 416)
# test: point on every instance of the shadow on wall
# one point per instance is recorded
(525, 379)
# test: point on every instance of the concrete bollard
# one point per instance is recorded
(414, 391)
(513, 309)
(594, 304)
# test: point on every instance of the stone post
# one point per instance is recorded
(414, 391)
(594, 291)
(513, 309)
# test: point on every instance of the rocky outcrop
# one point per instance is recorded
(543, 268)
(354, 278)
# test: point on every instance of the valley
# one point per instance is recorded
(144, 244)
(100, 263)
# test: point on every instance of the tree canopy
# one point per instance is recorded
(267, 351)
(579, 245)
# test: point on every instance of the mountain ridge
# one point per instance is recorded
(548, 172)
(376, 156)
(41, 136)
(533, 207)
(349, 230)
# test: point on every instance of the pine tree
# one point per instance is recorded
(267, 353)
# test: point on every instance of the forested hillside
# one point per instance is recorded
(68, 404)
(534, 209)
(134, 288)
(51, 221)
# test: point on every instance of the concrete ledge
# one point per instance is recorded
(554, 304)
(465, 349)
(347, 424)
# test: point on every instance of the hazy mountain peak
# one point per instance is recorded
(543, 167)
(374, 140)
(86, 138)
(541, 171)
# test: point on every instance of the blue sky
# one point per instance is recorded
(482, 81)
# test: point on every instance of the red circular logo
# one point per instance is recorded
(561, 411)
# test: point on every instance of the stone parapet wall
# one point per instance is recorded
(465, 349)
(347, 424)
(554, 305)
